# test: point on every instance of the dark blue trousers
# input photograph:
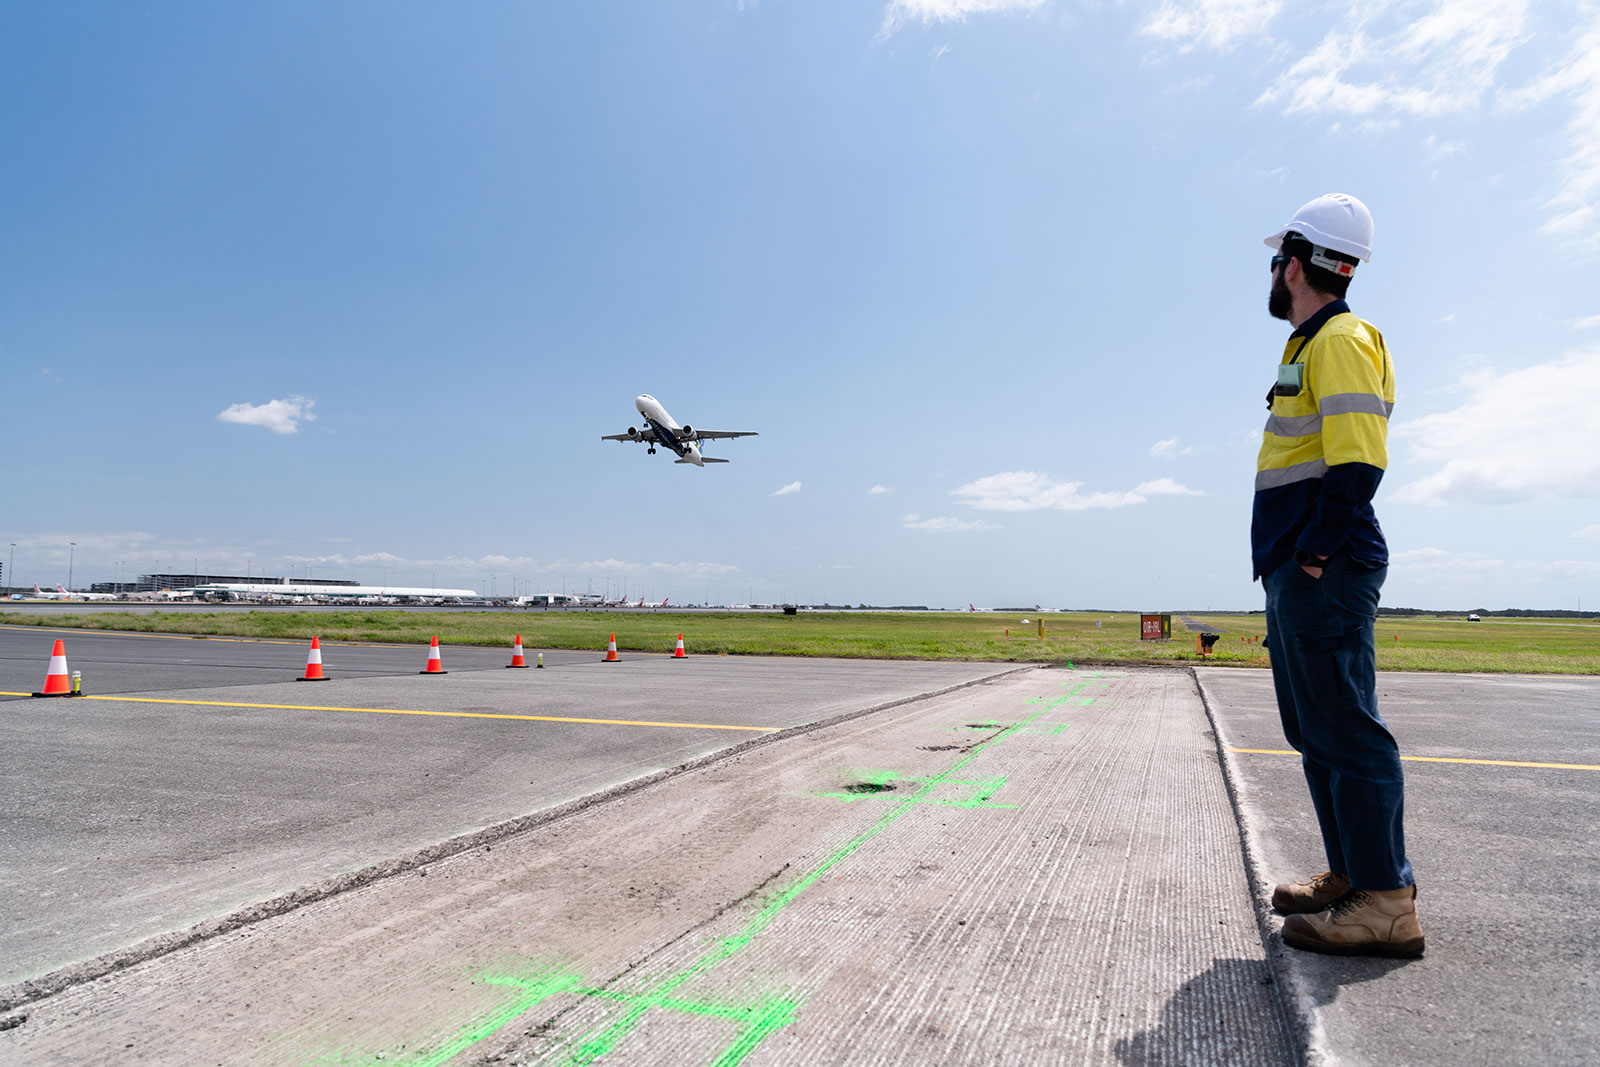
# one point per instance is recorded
(1324, 669)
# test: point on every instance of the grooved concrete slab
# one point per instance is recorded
(1041, 869)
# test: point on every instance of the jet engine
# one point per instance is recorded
(633, 432)
(688, 433)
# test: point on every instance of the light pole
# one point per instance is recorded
(11, 566)
(70, 553)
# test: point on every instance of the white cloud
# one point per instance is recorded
(1165, 487)
(1443, 62)
(1591, 532)
(901, 12)
(1587, 324)
(1167, 448)
(1032, 491)
(1446, 318)
(788, 490)
(1217, 23)
(1465, 568)
(1519, 435)
(279, 416)
(1576, 203)
(945, 525)
(1436, 151)
(879, 490)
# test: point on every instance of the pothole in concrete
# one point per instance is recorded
(983, 726)
(869, 787)
(938, 748)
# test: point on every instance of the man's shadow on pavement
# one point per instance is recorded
(1230, 1013)
(1226, 1014)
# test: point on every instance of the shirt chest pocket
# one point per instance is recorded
(1294, 416)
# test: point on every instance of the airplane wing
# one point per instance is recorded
(712, 435)
(625, 437)
(703, 459)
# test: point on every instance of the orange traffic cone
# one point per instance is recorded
(314, 663)
(517, 659)
(57, 683)
(435, 664)
(611, 651)
(677, 653)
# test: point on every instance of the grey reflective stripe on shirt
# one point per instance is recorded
(1355, 403)
(1294, 425)
(1300, 472)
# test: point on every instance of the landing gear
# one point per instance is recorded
(650, 452)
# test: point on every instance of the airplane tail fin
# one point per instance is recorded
(708, 459)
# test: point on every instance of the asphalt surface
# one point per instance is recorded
(755, 861)
(999, 874)
(124, 819)
(1506, 861)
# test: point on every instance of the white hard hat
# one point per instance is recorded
(1336, 221)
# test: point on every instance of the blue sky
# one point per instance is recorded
(353, 290)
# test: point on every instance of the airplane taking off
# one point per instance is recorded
(660, 428)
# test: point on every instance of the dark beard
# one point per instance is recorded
(1279, 300)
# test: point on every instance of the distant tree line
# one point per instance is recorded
(1505, 613)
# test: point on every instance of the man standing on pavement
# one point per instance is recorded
(1321, 557)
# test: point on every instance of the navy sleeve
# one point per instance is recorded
(1345, 499)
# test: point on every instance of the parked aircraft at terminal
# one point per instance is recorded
(332, 593)
(61, 593)
(661, 428)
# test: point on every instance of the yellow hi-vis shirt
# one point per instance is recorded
(1324, 451)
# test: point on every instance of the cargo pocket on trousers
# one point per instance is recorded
(1330, 662)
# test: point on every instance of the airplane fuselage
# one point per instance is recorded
(666, 430)
(660, 428)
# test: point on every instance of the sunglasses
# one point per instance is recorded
(1279, 260)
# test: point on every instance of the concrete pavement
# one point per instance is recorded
(724, 862)
(1040, 869)
(1505, 856)
(156, 806)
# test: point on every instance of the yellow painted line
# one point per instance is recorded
(1443, 759)
(442, 714)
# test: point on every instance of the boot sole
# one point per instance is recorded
(1394, 950)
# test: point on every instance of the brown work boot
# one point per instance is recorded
(1300, 898)
(1363, 922)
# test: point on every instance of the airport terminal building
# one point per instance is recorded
(155, 583)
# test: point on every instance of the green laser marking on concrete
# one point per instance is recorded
(981, 790)
(534, 990)
(759, 1021)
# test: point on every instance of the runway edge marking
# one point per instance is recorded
(1296, 1001)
